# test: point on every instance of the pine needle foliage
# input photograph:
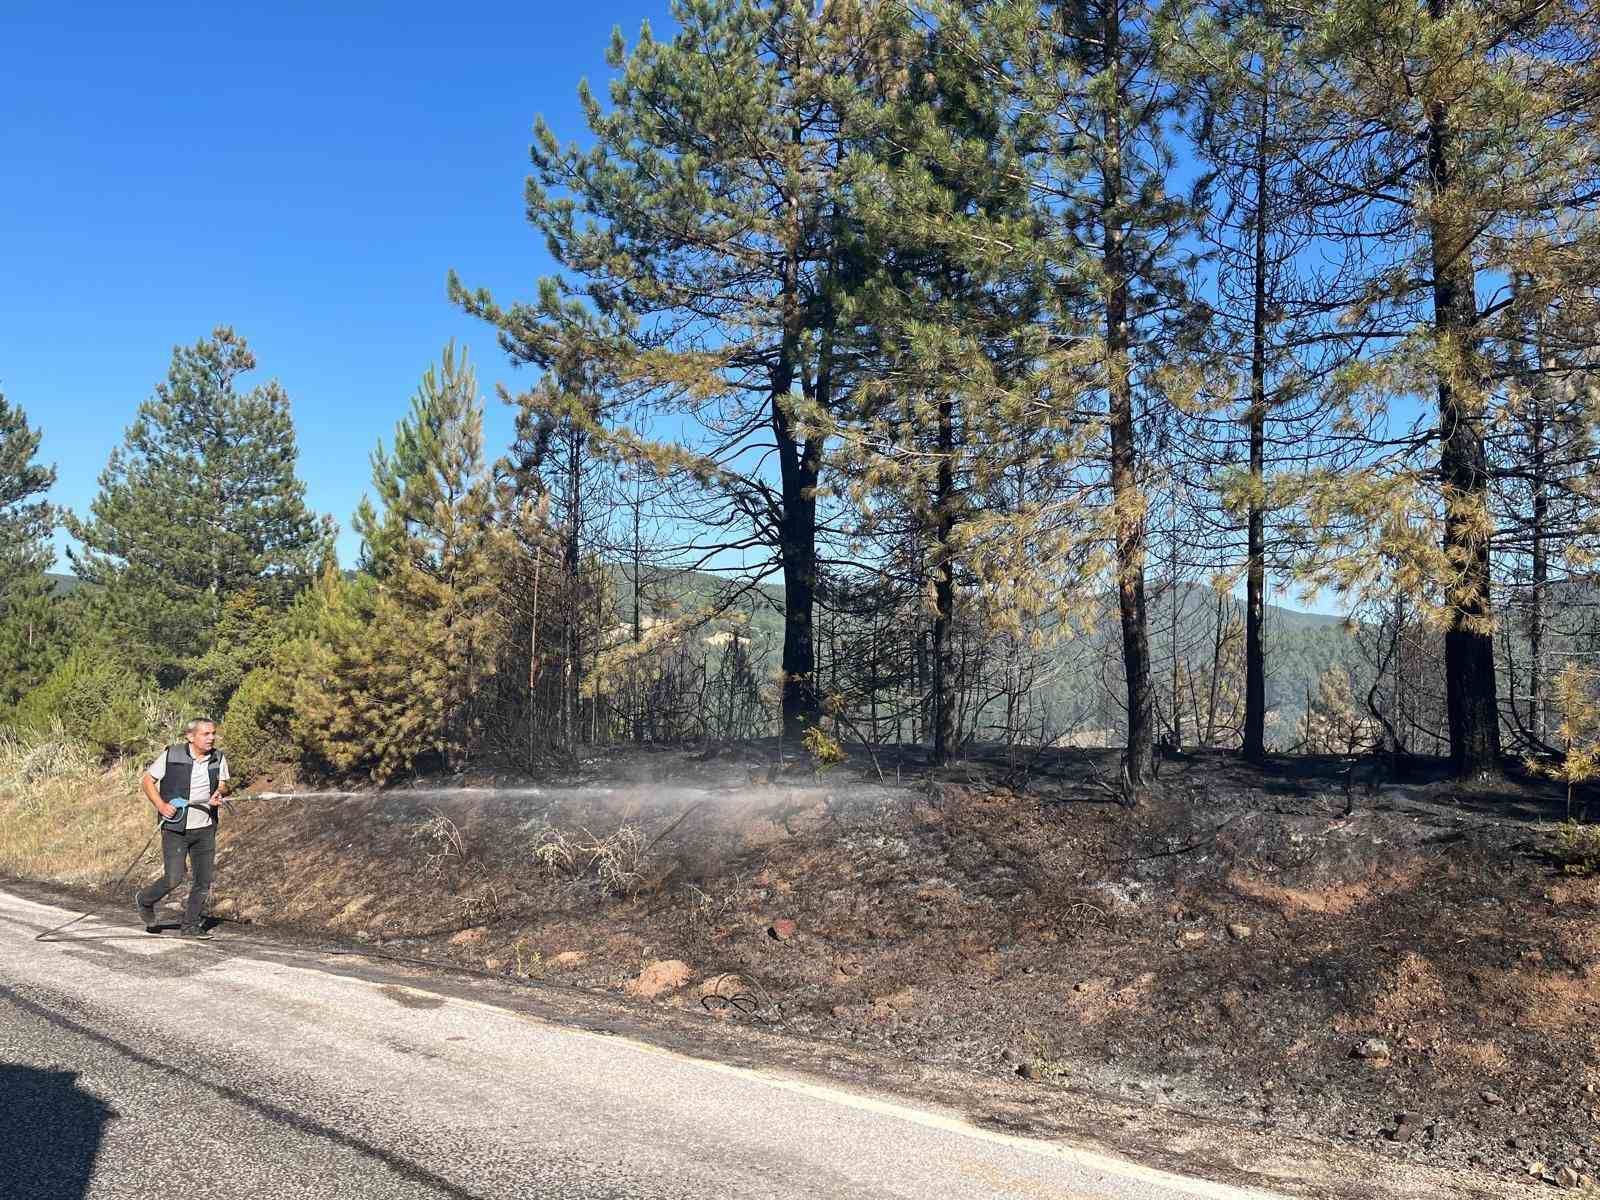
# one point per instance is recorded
(30, 616)
(1458, 142)
(200, 502)
(706, 248)
(1577, 699)
(1089, 95)
(391, 674)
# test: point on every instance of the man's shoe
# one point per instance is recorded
(147, 915)
(197, 935)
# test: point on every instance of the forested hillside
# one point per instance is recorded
(857, 636)
(937, 373)
(1305, 646)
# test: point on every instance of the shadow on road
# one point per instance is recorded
(48, 1153)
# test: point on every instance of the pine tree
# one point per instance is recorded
(362, 696)
(928, 446)
(1273, 300)
(393, 674)
(29, 615)
(1457, 133)
(706, 249)
(1577, 699)
(1331, 724)
(199, 503)
(1093, 91)
(553, 470)
(246, 637)
(1217, 698)
(1544, 461)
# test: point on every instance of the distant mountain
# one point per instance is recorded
(1277, 613)
(674, 593)
(1083, 684)
(1300, 645)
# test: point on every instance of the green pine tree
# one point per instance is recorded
(30, 617)
(1092, 93)
(392, 674)
(706, 250)
(199, 503)
(929, 443)
(246, 637)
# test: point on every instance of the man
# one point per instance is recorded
(186, 784)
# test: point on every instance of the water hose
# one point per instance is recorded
(49, 934)
(738, 991)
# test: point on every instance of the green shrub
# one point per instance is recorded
(1577, 847)
(93, 698)
(824, 750)
(255, 729)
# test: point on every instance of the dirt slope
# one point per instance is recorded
(1414, 979)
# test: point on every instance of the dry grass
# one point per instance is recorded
(617, 860)
(1555, 1003)
(1581, 893)
(64, 816)
(442, 841)
(1416, 990)
(1470, 1060)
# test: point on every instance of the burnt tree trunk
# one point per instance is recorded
(1255, 670)
(799, 464)
(572, 665)
(1541, 562)
(944, 590)
(1127, 501)
(1474, 716)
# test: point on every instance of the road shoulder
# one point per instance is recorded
(1130, 1138)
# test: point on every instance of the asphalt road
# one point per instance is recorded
(142, 1066)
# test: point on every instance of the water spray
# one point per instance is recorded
(298, 796)
(705, 795)
(401, 793)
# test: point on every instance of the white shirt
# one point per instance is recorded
(195, 816)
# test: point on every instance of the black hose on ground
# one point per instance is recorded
(47, 935)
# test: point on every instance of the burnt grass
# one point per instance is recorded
(1274, 945)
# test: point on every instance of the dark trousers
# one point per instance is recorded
(199, 846)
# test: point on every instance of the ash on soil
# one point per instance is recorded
(1395, 964)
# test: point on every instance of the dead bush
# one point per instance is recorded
(482, 906)
(556, 852)
(441, 840)
(616, 861)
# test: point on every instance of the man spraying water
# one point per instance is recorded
(185, 784)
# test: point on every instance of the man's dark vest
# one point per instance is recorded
(175, 783)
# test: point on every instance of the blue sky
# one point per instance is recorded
(307, 173)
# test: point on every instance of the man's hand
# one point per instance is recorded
(167, 811)
(217, 799)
